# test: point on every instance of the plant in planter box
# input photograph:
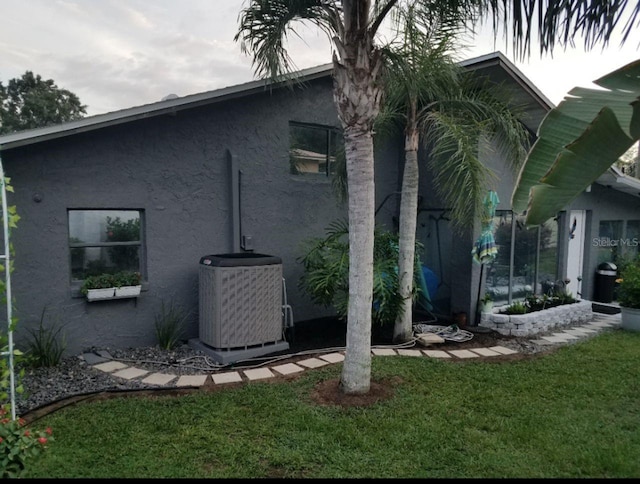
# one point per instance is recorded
(100, 281)
(629, 296)
(518, 307)
(127, 278)
(127, 283)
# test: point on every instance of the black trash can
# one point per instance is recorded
(605, 282)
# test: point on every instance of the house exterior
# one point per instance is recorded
(244, 169)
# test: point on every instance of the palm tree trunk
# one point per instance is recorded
(356, 372)
(402, 329)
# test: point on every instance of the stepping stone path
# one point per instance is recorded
(102, 362)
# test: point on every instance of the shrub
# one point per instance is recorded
(326, 272)
(47, 344)
(629, 288)
(18, 445)
(169, 325)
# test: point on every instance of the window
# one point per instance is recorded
(526, 260)
(609, 234)
(104, 241)
(314, 149)
(632, 240)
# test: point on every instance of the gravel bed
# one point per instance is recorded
(74, 376)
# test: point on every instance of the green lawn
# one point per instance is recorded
(574, 413)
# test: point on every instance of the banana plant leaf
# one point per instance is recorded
(577, 142)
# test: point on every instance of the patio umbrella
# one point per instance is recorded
(485, 250)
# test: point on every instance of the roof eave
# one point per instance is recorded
(170, 106)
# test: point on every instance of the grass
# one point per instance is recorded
(570, 414)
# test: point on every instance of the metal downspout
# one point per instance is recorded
(234, 190)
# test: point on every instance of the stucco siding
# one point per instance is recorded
(175, 169)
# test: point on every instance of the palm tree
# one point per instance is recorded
(357, 66)
(430, 95)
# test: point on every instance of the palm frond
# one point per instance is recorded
(459, 176)
(265, 25)
(560, 21)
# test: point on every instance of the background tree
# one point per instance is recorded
(31, 102)
(629, 162)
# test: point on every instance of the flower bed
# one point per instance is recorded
(538, 321)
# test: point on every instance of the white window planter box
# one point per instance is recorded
(100, 294)
(113, 293)
(128, 291)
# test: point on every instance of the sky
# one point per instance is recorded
(117, 54)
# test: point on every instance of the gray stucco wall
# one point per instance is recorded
(175, 168)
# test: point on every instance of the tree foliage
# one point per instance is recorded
(30, 102)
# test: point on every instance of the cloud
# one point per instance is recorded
(116, 54)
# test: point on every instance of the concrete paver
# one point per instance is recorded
(437, 353)
(191, 380)
(228, 377)
(463, 354)
(383, 351)
(312, 363)
(565, 335)
(258, 373)
(110, 366)
(130, 373)
(503, 350)
(287, 368)
(159, 379)
(554, 339)
(332, 357)
(485, 351)
(404, 352)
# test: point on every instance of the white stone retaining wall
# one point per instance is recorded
(537, 321)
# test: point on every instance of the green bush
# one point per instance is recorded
(326, 272)
(169, 325)
(629, 288)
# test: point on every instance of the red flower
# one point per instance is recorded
(42, 440)
(22, 421)
(4, 421)
(1, 440)
(27, 433)
(49, 431)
